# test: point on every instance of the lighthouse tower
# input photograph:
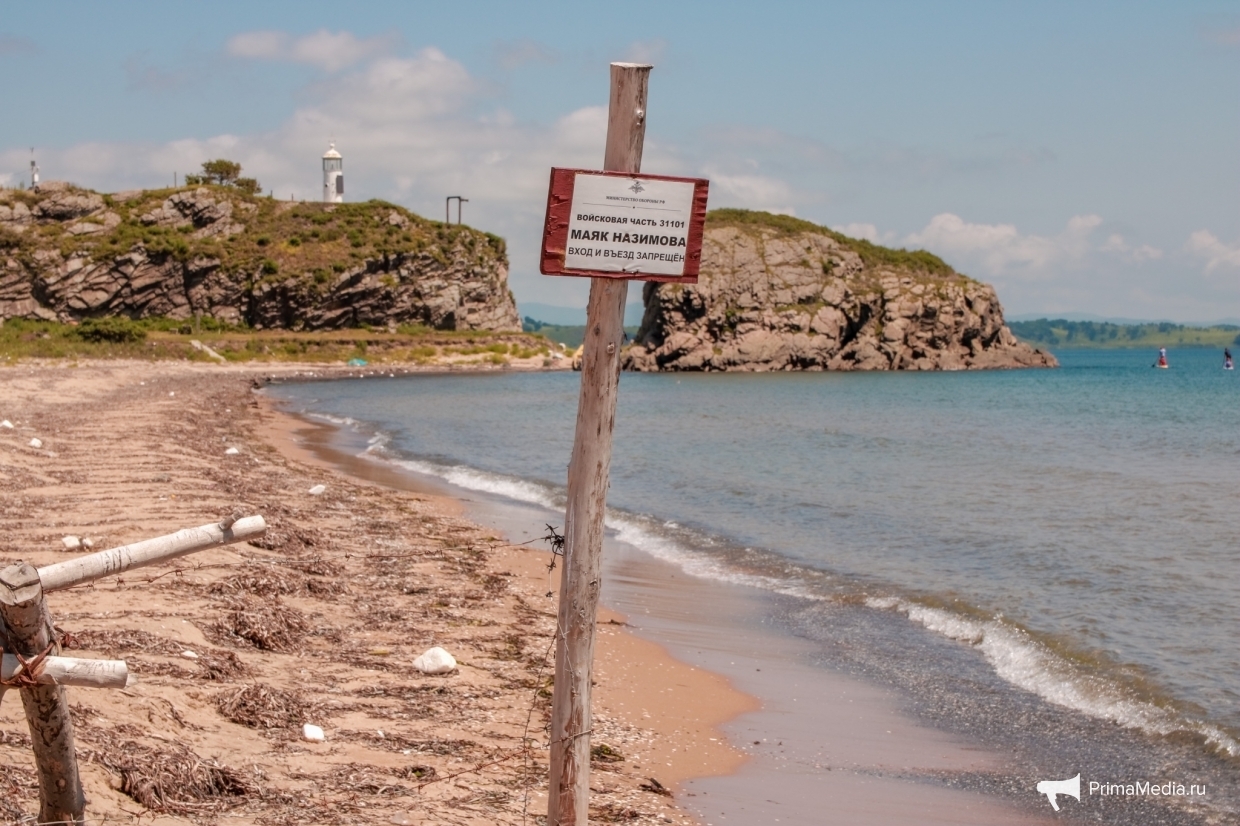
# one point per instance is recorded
(333, 176)
(34, 173)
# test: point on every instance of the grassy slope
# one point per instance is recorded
(1093, 334)
(872, 255)
(281, 238)
(168, 339)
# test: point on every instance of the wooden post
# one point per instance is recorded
(29, 630)
(571, 720)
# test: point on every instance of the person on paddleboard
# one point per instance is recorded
(1227, 365)
(1162, 356)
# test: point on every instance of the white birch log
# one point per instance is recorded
(71, 671)
(148, 552)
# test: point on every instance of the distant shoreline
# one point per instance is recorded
(1064, 334)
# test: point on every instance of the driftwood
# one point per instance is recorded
(71, 671)
(569, 796)
(29, 629)
(30, 652)
(149, 552)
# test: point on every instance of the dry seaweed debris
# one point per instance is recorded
(221, 666)
(268, 624)
(314, 566)
(613, 813)
(124, 640)
(172, 778)
(16, 784)
(355, 778)
(260, 580)
(262, 706)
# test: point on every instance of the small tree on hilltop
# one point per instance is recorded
(223, 173)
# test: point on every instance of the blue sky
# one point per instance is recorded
(1082, 156)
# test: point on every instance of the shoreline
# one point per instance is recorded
(625, 664)
(318, 621)
(880, 758)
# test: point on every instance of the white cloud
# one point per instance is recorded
(1204, 244)
(332, 51)
(866, 232)
(750, 191)
(1001, 248)
(1116, 244)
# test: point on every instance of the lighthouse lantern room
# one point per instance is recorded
(333, 176)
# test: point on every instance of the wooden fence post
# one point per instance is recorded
(29, 631)
(588, 470)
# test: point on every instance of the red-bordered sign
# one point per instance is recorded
(620, 225)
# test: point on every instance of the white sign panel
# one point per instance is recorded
(628, 225)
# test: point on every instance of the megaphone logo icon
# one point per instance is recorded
(1051, 788)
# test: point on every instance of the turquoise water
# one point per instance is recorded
(1075, 530)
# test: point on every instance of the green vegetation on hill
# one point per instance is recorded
(166, 338)
(872, 255)
(570, 336)
(1063, 333)
(281, 238)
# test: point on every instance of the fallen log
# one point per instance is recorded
(95, 566)
(68, 671)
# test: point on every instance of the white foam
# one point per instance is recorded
(629, 529)
(632, 531)
(471, 479)
(344, 421)
(1025, 663)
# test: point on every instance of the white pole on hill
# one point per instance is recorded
(571, 720)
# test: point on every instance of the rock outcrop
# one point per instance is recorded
(777, 293)
(68, 254)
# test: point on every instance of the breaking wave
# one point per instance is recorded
(1025, 663)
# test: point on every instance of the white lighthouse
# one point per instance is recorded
(333, 176)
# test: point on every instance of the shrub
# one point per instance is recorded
(117, 330)
(270, 267)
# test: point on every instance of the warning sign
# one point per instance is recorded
(617, 225)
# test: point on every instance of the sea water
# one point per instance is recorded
(1061, 543)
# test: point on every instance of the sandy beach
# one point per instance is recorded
(233, 650)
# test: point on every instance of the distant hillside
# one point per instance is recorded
(570, 335)
(68, 254)
(1060, 332)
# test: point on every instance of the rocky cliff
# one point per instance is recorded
(778, 293)
(68, 254)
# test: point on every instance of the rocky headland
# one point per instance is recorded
(214, 251)
(779, 293)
